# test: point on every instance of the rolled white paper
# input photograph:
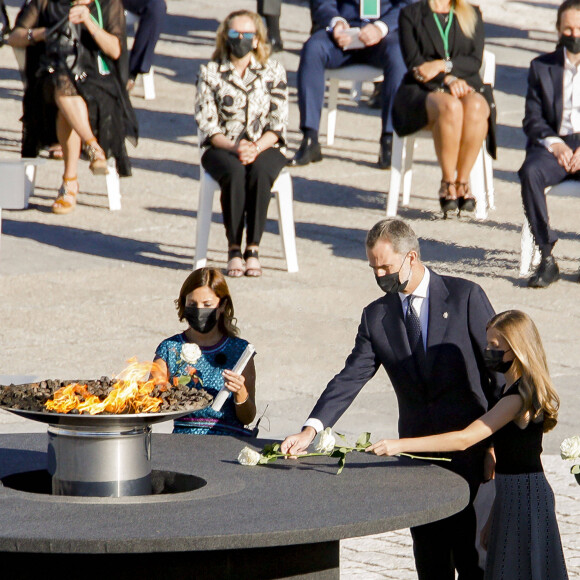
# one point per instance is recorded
(239, 367)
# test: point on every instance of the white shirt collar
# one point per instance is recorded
(422, 289)
(568, 64)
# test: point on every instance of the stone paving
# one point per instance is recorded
(80, 294)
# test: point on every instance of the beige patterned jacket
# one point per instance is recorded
(238, 107)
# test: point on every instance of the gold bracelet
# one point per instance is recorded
(244, 401)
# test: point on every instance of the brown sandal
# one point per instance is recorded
(97, 158)
(235, 267)
(465, 199)
(66, 199)
(447, 197)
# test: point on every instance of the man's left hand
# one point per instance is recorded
(575, 162)
(370, 35)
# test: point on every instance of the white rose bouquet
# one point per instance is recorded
(324, 444)
(570, 451)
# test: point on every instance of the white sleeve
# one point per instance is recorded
(315, 424)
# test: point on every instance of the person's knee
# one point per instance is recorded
(448, 109)
(531, 172)
(315, 50)
(475, 111)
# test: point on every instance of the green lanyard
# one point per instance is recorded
(103, 66)
(444, 34)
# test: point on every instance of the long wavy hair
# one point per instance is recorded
(465, 14)
(536, 387)
(213, 279)
(222, 52)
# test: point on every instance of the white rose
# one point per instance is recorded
(190, 352)
(248, 456)
(326, 441)
(570, 448)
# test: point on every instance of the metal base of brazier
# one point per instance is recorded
(103, 462)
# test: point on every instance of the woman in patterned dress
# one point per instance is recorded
(205, 353)
(521, 535)
(242, 112)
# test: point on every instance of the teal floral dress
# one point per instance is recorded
(204, 365)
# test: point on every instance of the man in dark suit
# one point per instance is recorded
(429, 333)
(328, 48)
(552, 125)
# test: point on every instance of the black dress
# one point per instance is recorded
(524, 541)
(71, 60)
(421, 42)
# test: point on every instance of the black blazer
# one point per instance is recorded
(544, 100)
(452, 390)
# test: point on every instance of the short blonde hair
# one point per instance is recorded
(536, 387)
(261, 52)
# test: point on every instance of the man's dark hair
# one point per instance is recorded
(397, 233)
(566, 5)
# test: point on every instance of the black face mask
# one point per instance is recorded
(200, 319)
(494, 362)
(570, 43)
(390, 283)
(239, 47)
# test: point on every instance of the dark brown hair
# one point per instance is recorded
(213, 279)
(566, 5)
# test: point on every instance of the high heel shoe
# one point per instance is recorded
(97, 158)
(253, 270)
(465, 200)
(235, 267)
(66, 199)
(447, 197)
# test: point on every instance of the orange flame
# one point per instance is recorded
(130, 393)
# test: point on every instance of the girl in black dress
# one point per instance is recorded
(74, 91)
(522, 537)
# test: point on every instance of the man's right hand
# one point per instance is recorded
(341, 39)
(564, 155)
(575, 162)
(298, 444)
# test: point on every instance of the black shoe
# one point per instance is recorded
(386, 151)
(276, 44)
(546, 273)
(309, 152)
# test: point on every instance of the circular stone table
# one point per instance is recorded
(275, 521)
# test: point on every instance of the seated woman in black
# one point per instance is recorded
(442, 44)
(242, 111)
(74, 91)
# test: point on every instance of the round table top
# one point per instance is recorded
(287, 502)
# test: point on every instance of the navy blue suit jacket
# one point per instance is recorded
(452, 390)
(323, 11)
(544, 100)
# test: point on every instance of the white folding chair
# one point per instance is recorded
(148, 78)
(354, 73)
(530, 253)
(17, 183)
(481, 178)
(283, 191)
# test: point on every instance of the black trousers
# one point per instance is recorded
(541, 170)
(447, 545)
(245, 190)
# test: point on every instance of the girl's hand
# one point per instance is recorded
(247, 152)
(428, 70)
(459, 88)
(79, 12)
(385, 447)
(235, 383)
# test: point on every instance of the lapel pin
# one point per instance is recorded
(445, 315)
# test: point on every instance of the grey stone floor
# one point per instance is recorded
(80, 294)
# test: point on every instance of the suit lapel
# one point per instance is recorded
(394, 325)
(557, 75)
(438, 317)
(432, 30)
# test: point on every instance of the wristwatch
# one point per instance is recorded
(448, 66)
(29, 37)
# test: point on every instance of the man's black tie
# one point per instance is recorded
(413, 326)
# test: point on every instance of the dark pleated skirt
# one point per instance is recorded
(524, 541)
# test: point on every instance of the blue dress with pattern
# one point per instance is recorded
(213, 360)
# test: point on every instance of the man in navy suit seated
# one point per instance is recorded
(429, 333)
(552, 125)
(328, 48)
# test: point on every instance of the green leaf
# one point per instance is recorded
(271, 448)
(336, 453)
(184, 379)
(575, 470)
(341, 463)
(341, 436)
(364, 440)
